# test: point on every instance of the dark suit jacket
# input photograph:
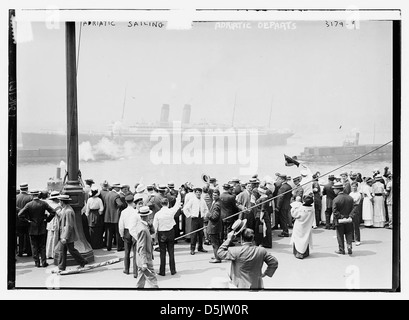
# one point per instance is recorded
(21, 200)
(215, 222)
(228, 205)
(329, 192)
(67, 224)
(113, 207)
(34, 211)
(284, 197)
(342, 207)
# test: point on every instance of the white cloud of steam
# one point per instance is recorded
(106, 149)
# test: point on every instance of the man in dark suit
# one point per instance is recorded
(113, 209)
(228, 208)
(329, 192)
(277, 185)
(34, 213)
(23, 238)
(214, 226)
(343, 216)
(283, 204)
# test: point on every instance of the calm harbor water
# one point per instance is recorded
(140, 167)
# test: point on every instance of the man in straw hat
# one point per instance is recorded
(35, 213)
(343, 214)
(247, 260)
(68, 235)
(144, 249)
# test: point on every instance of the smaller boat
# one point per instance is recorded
(348, 151)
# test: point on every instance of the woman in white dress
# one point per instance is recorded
(367, 205)
(52, 226)
(378, 192)
(301, 237)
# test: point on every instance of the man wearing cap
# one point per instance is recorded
(144, 249)
(196, 209)
(104, 197)
(129, 218)
(68, 235)
(163, 223)
(345, 182)
(243, 201)
(114, 206)
(34, 213)
(23, 238)
(316, 189)
(247, 260)
(236, 187)
(228, 208)
(283, 204)
(342, 208)
(330, 195)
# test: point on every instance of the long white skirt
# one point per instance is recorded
(367, 212)
(379, 212)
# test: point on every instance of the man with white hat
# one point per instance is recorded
(52, 226)
(23, 238)
(248, 259)
(35, 213)
(144, 249)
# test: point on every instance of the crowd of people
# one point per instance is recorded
(155, 217)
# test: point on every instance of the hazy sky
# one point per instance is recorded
(316, 77)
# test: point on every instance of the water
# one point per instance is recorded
(139, 167)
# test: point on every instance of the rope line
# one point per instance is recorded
(270, 199)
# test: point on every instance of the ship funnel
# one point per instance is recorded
(164, 115)
(186, 114)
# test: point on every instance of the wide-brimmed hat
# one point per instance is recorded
(144, 211)
(140, 188)
(64, 197)
(338, 185)
(53, 195)
(89, 181)
(162, 187)
(171, 184)
(116, 185)
(235, 180)
(238, 226)
(35, 192)
(254, 181)
(94, 192)
(137, 197)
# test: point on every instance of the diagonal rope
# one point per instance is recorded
(270, 199)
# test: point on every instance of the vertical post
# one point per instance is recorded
(73, 187)
(12, 138)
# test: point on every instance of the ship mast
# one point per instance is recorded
(123, 107)
(271, 112)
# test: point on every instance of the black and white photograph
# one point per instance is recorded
(204, 150)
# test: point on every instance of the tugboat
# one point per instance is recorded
(350, 150)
